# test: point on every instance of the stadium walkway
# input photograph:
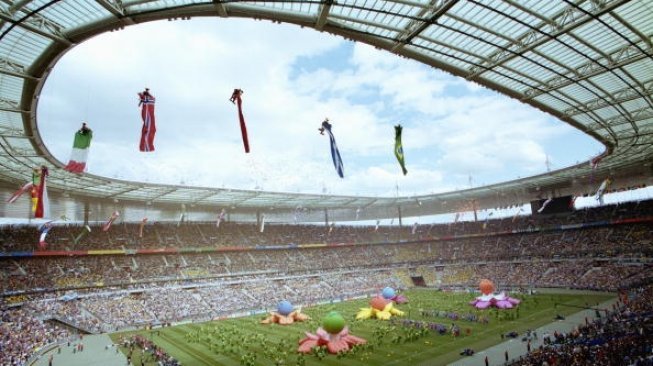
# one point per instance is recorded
(95, 353)
(517, 348)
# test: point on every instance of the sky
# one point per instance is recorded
(292, 79)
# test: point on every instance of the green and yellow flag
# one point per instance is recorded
(399, 150)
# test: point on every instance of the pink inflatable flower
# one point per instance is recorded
(335, 343)
(501, 301)
(399, 299)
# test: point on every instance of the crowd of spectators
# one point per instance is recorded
(555, 264)
(65, 311)
(568, 273)
(21, 333)
(114, 292)
(113, 309)
(26, 328)
(623, 336)
(229, 234)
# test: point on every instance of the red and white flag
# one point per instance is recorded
(42, 208)
(140, 230)
(594, 162)
(107, 225)
(149, 126)
(236, 98)
(27, 187)
(572, 202)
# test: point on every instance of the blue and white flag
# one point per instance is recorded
(262, 227)
(44, 230)
(335, 154)
(601, 191)
(220, 218)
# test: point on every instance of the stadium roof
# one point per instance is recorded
(588, 63)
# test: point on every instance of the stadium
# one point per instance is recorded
(110, 271)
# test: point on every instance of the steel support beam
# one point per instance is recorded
(38, 24)
(204, 196)
(220, 8)
(323, 14)
(622, 57)
(15, 69)
(564, 22)
(10, 106)
(161, 194)
(116, 194)
(636, 115)
(436, 9)
(620, 96)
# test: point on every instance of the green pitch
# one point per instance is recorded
(244, 341)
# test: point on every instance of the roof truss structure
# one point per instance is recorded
(588, 63)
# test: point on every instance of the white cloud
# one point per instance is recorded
(451, 128)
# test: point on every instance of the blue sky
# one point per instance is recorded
(293, 78)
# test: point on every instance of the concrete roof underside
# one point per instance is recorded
(587, 63)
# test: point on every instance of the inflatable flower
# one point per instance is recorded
(501, 301)
(381, 308)
(390, 294)
(489, 298)
(486, 287)
(285, 315)
(333, 334)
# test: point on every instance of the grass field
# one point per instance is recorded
(244, 341)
